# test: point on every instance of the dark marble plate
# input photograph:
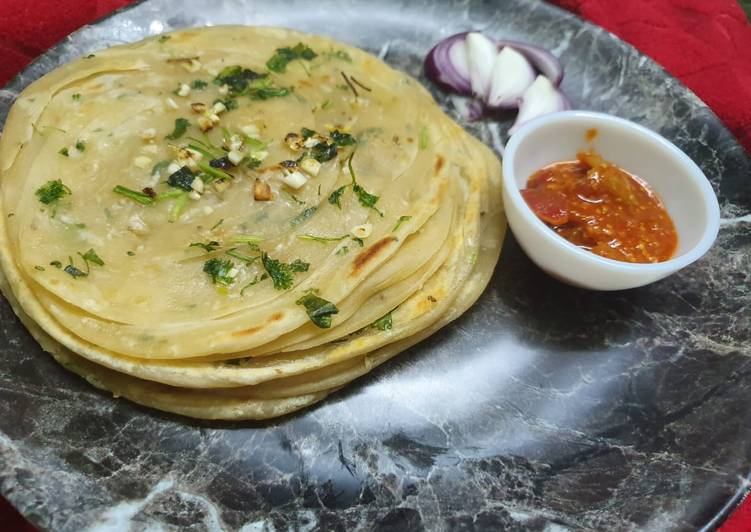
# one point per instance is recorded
(543, 408)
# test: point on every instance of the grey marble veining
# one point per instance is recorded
(543, 408)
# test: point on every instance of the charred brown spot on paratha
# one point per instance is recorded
(370, 253)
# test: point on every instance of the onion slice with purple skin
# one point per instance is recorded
(511, 76)
(542, 97)
(541, 59)
(446, 64)
(481, 54)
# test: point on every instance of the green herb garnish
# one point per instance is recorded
(342, 139)
(384, 323)
(251, 240)
(208, 247)
(282, 274)
(213, 173)
(219, 270)
(76, 97)
(57, 264)
(246, 259)
(39, 268)
(220, 222)
(138, 197)
(52, 191)
(74, 272)
(342, 250)
(198, 85)
(359, 241)
(339, 54)
(336, 196)
(163, 39)
(322, 239)
(323, 152)
(400, 221)
(181, 126)
(236, 78)
(64, 152)
(178, 207)
(304, 215)
(257, 279)
(131, 253)
(80, 145)
(365, 198)
(318, 309)
(91, 256)
(423, 138)
(283, 56)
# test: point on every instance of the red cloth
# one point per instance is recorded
(705, 43)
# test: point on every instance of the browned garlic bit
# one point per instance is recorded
(261, 190)
(198, 107)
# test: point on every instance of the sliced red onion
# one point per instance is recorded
(446, 64)
(541, 59)
(468, 108)
(541, 98)
(481, 53)
(512, 74)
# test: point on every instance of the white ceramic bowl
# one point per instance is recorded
(684, 190)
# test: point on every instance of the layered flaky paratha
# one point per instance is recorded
(232, 222)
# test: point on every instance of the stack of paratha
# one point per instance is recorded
(233, 222)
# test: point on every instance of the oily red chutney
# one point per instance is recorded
(602, 208)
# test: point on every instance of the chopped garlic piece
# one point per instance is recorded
(205, 123)
(150, 148)
(233, 272)
(294, 180)
(362, 231)
(250, 130)
(148, 134)
(173, 167)
(311, 142)
(198, 107)
(172, 104)
(142, 161)
(197, 185)
(184, 90)
(137, 226)
(194, 195)
(207, 210)
(235, 157)
(219, 108)
(311, 166)
(235, 143)
(260, 155)
(214, 118)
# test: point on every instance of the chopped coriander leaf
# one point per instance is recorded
(359, 241)
(283, 56)
(282, 274)
(76, 97)
(326, 104)
(208, 247)
(423, 138)
(230, 103)
(181, 126)
(131, 253)
(343, 250)
(298, 265)
(236, 78)
(400, 221)
(220, 222)
(245, 258)
(91, 256)
(39, 268)
(384, 323)
(266, 90)
(307, 133)
(339, 54)
(323, 152)
(57, 264)
(257, 279)
(183, 179)
(219, 270)
(52, 191)
(64, 151)
(80, 145)
(336, 196)
(138, 197)
(322, 239)
(198, 85)
(318, 309)
(164, 38)
(342, 139)
(74, 272)
(304, 215)
(178, 207)
(365, 198)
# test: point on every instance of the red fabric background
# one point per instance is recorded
(705, 43)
